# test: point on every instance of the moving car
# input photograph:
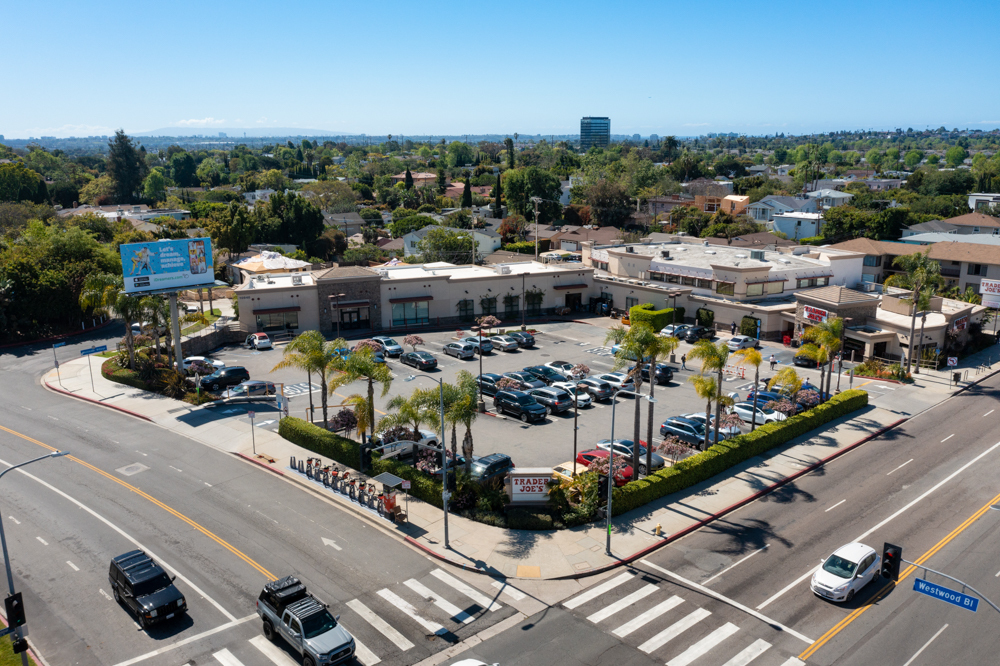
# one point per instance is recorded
(675, 330)
(554, 400)
(258, 341)
(225, 378)
(251, 388)
(576, 392)
(505, 343)
(619, 381)
(460, 349)
(597, 388)
(144, 588)
(565, 369)
(202, 360)
(389, 346)
(738, 342)
(519, 404)
(729, 431)
(587, 458)
(696, 333)
(290, 612)
(663, 373)
(526, 380)
(545, 374)
(623, 447)
(490, 467)
(846, 572)
(419, 359)
(745, 411)
(481, 344)
(524, 339)
(488, 383)
(688, 431)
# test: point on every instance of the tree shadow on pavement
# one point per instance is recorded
(520, 543)
(745, 536)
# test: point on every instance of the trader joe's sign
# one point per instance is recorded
(529, 484)
(814, 314)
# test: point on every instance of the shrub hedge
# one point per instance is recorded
(730, 452)
(111, 371)
(657, 319)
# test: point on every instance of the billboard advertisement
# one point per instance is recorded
(167, 264)
(990, 291)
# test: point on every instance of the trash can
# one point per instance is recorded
(956, 377)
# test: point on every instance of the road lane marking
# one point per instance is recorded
(674, 630)
(622, 603)
(947, 438)
(735, 604)
(106, 595)
(272, 652)
(986, 414)
(44, 542)
(453, 611)
(52, 417)
(409, 610)
(598, 590)
(704, 645)
(789, 586)
(72, 566)
(174, 468)
(185, 641)
(361, 653)
(380, 625)
(512, 592)
(326, 542)
(735, 563)
(792, 661)
(835, 506)
(755, 649)
(16, 521)
(900, 467)
(914, 657)
(226, 658)
(648, 616)
(481, 599)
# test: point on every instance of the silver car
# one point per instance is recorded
(504, 343)
(460, 349)
(481, 343)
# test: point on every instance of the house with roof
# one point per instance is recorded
(830, 198)
(349, 223)
(975, 223)
(979, 202)
(420, 178)
(764, 210)
(797, 225)
(570, 237)
(734, 204)
(932, 227)
(486, 241)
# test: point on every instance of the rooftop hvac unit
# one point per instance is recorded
(631, 281)
(297, 280)
(741, 256)
(630, 249)
(757, 254)
(665, 254)
(709, 251)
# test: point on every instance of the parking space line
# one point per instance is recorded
(947, 438)
(986, 414)
(900, 467)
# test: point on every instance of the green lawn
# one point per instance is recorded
(7, 656)
(211, 318)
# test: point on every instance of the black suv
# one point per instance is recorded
(547, 375)
(488, 383)
(225, 378)
(519, 404)
(696, 333)
(664, 373)
(493, 466)
(145, 588)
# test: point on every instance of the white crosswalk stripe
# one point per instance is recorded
(383, 627)
(792, 661)
(704, 645)
(622, 603)
(481, 599)
(409, 610)
(226, 658)
(510, 591)
(363, 654)
(648, 616)
(272, 651)
(598, 590)
(751, 652)
(674, 630)
(453, 611)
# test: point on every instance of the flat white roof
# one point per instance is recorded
(278, 281)
(462, 272)
(706, 256)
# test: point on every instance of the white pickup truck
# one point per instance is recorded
(289, 611)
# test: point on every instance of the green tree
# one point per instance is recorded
(520, 185)
(955, 155)
(444, 244)
(361, 365)
(154, 187)
(408, 183)
(312, 353)
(156, 311)
(919, 272)
(333, 196)
(609, 203)
(232, 228)
(754, 358)
(467, 193)
(713, 357)
(631, 345)
(459, 154)
(183, 169)
(913, 158)
(19, 183)
(442, 183)
(509, 145)
(706, 388)
(825, 335)
(126, 168)
(104, 292)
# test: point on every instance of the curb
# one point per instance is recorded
(56, 337)
(975, 383)
(438, 556)
(729, 509)
(98, 402)
(259, 463)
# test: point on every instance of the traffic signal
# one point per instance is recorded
(892, 557)
(602, 487)
(20, 645)
(366, 457)
(15, 610)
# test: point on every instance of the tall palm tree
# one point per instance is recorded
(465, 410)
(658, 347)
(819, 354)
(106, 292)
(312, 353)
(411, 411)
(705, 387)
(362, 411)
(156, 310)
(632, 344)
(826, 335)
(754, 358)
(360, 364)
(714, 357)
(919, 271)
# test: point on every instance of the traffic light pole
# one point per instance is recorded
(962, 583)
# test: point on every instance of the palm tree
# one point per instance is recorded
(923, 305)
(312, 353)
(705, 387)
(713, 359)
(788, 380)
(632, 344)
(919, 271)
(104, 291)
(362, 411)
(826, 336)
(410, 411)
(360, 364)
(752, 357)
(157, 312)
(659, 346)
(462, 407)
(819, 354)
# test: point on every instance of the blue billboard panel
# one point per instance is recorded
(167, 264)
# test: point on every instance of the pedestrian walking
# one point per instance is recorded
(773, 362)
(732, 330)
(684, 359)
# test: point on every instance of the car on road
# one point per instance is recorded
(587, 458)
(696, 333)
(258, 341)
(460, 349)
(290, 612)
(202, 360)
(554, 400)
(663, 373)
(488, 383)
(252, 388)
(146, 328)
(619, 381)
(481, 344)
(746, 412)
(145, 589)
(688, 431)
(845, 572)
(505, 343)
(389, 346)
(419, 359)
(623, 447)
(225, 378)
(729, 431)
(190, 308)
(597, 388)
(524, 339)
(525, 380)
(565, 368)
(582, 397)
(544, 373)
(738, 342)
(519, 404)
(491, 467)
(803, 361)
(675, 330)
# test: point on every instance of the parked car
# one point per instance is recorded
(738, 342)
(524, 339)
(405, 448)
(389, 346)
(519, 404)
(764, 397)
(728, 431)
(663, 373)
(803, 361)
(258, 341)
(201, 360)
(567, 470)
(191, 308)
(597, 388)
(582, 397)
(745, 411)
(252, 388)
(619, 381)
(554, 400)
(617, 351)
(845, 572)
(586, 458)
(544, 373)
(675, 330)
(565, 369)
(482, 344)
(146, 328)
(225, 378)
(419, 359)
(490, 467)
(505, 343)
(145, 589)
(623, 447)
(696, 333)
(460, 349)
(525, 380)
(488, 383)
(688, 431)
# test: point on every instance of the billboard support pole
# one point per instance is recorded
(176, 327)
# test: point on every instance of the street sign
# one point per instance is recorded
(58, 344)
(252, 414)
(406, 485)
(944, 594)
(952, 361)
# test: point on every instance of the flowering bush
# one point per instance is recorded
(412, 341)
(368, 344)
(487, 322)
(601, 465)
(786, 407)
(345, 420)
(672, 447)
(580, 370)
(730, 420)
(808, 397)
(506, 383)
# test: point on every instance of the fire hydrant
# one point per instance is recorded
(658, 529)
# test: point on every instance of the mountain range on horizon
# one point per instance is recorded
(239, 132)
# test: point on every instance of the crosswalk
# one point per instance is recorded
(634, 610)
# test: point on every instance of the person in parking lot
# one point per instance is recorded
(773, 361)
(732, 329)
(684, 358)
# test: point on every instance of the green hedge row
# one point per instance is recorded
(730, 452)
(656, 319)
(111, 371)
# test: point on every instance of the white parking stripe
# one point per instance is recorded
(622, 603)
(734, 564)
(402, 605)
(381, 625)
(757, 648)
(674, 630)
(481, 599)
(704, 645)
(512, 592)
(226, 658)
(648, 616)
(272, 652)
(451, 609)
(598, 590)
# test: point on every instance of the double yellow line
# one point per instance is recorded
(837, 628)
(222, 542)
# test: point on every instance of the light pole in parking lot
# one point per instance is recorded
(3, 538)
(445, 495)
(611, 452)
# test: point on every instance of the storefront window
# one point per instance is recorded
(511, 306)
(410, 314)
(725, 288)
(775, 287)
(488, 305)
(278, 322)
(755, 289)
(466, 310)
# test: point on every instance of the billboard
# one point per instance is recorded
(167, 264)
(990, 291)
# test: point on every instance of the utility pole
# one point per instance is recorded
(536, 201)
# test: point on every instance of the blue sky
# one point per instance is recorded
(684, 68)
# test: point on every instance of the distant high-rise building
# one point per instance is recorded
(595, 132)
(653, 138)
(636, 137)
(222, 135)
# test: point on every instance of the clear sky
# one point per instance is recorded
(86, 67)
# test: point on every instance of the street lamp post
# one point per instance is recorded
(611, 454)
(3, 538)
(445, 495)
(337, 311)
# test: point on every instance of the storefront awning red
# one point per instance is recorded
(411, 299)
(562, 287)
(292, 308)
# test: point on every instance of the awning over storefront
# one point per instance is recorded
(766, 279)
(561, 287)
(343, 305)
(292, 308)
(411, 299)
